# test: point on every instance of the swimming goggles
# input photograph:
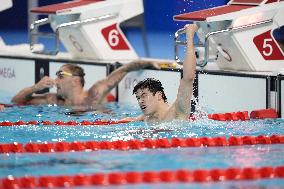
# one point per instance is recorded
(61, 73)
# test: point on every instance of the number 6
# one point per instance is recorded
(113, 38)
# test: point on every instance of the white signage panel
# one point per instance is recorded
(15, 74)
(93, 73)
(169, 79)
(222, 93)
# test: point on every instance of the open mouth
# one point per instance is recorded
(143, 107)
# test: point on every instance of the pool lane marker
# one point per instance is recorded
(62, 123)
(146, 177)
(269, 113)
(229, 116)
(47, 147)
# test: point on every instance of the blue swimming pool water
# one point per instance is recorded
(135, 160)
(139, 160)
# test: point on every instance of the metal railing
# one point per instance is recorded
(206, 42)
(34, 34)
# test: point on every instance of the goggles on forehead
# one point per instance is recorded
(61, 73)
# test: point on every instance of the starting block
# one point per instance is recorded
(6, 4)
(240, 35)
(89, 29)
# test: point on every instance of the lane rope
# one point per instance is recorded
(62, 123)
(269, 113)
(229, 116)
(146, 177)
(134, 144)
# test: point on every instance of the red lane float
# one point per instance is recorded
(230, 116)
(62, 123)
(264, 113)
(243, 116)
(147, 177)
(137, 145)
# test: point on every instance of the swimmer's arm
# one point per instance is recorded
(2, 107)
(138, 118)
(183, 101)
(103, 87)
(36, 99)
(26, 95)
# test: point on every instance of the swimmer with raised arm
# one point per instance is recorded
(70, 86)
(150, 92)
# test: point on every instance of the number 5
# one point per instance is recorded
(267, 47)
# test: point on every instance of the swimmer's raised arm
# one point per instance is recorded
(26, 94)
(103, 87)
(183, 101)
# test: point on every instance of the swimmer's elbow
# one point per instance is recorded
(16, 100)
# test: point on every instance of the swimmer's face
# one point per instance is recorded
(64, 80)
(147, 101)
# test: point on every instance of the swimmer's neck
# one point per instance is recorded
(160, 115)
(76, 97)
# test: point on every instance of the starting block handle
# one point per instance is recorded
(206, 43)
(88, 20)
(178, 43)
(34, 33)
(231, 29)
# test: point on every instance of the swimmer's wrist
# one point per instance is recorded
(133, 66)
(35, 88)
(189, 36)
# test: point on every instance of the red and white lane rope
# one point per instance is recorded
(229, 116)
(147, 177)
(138, 144)
(269, 113)
(62, 123)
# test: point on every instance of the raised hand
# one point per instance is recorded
(190, 30)
(45, 82)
